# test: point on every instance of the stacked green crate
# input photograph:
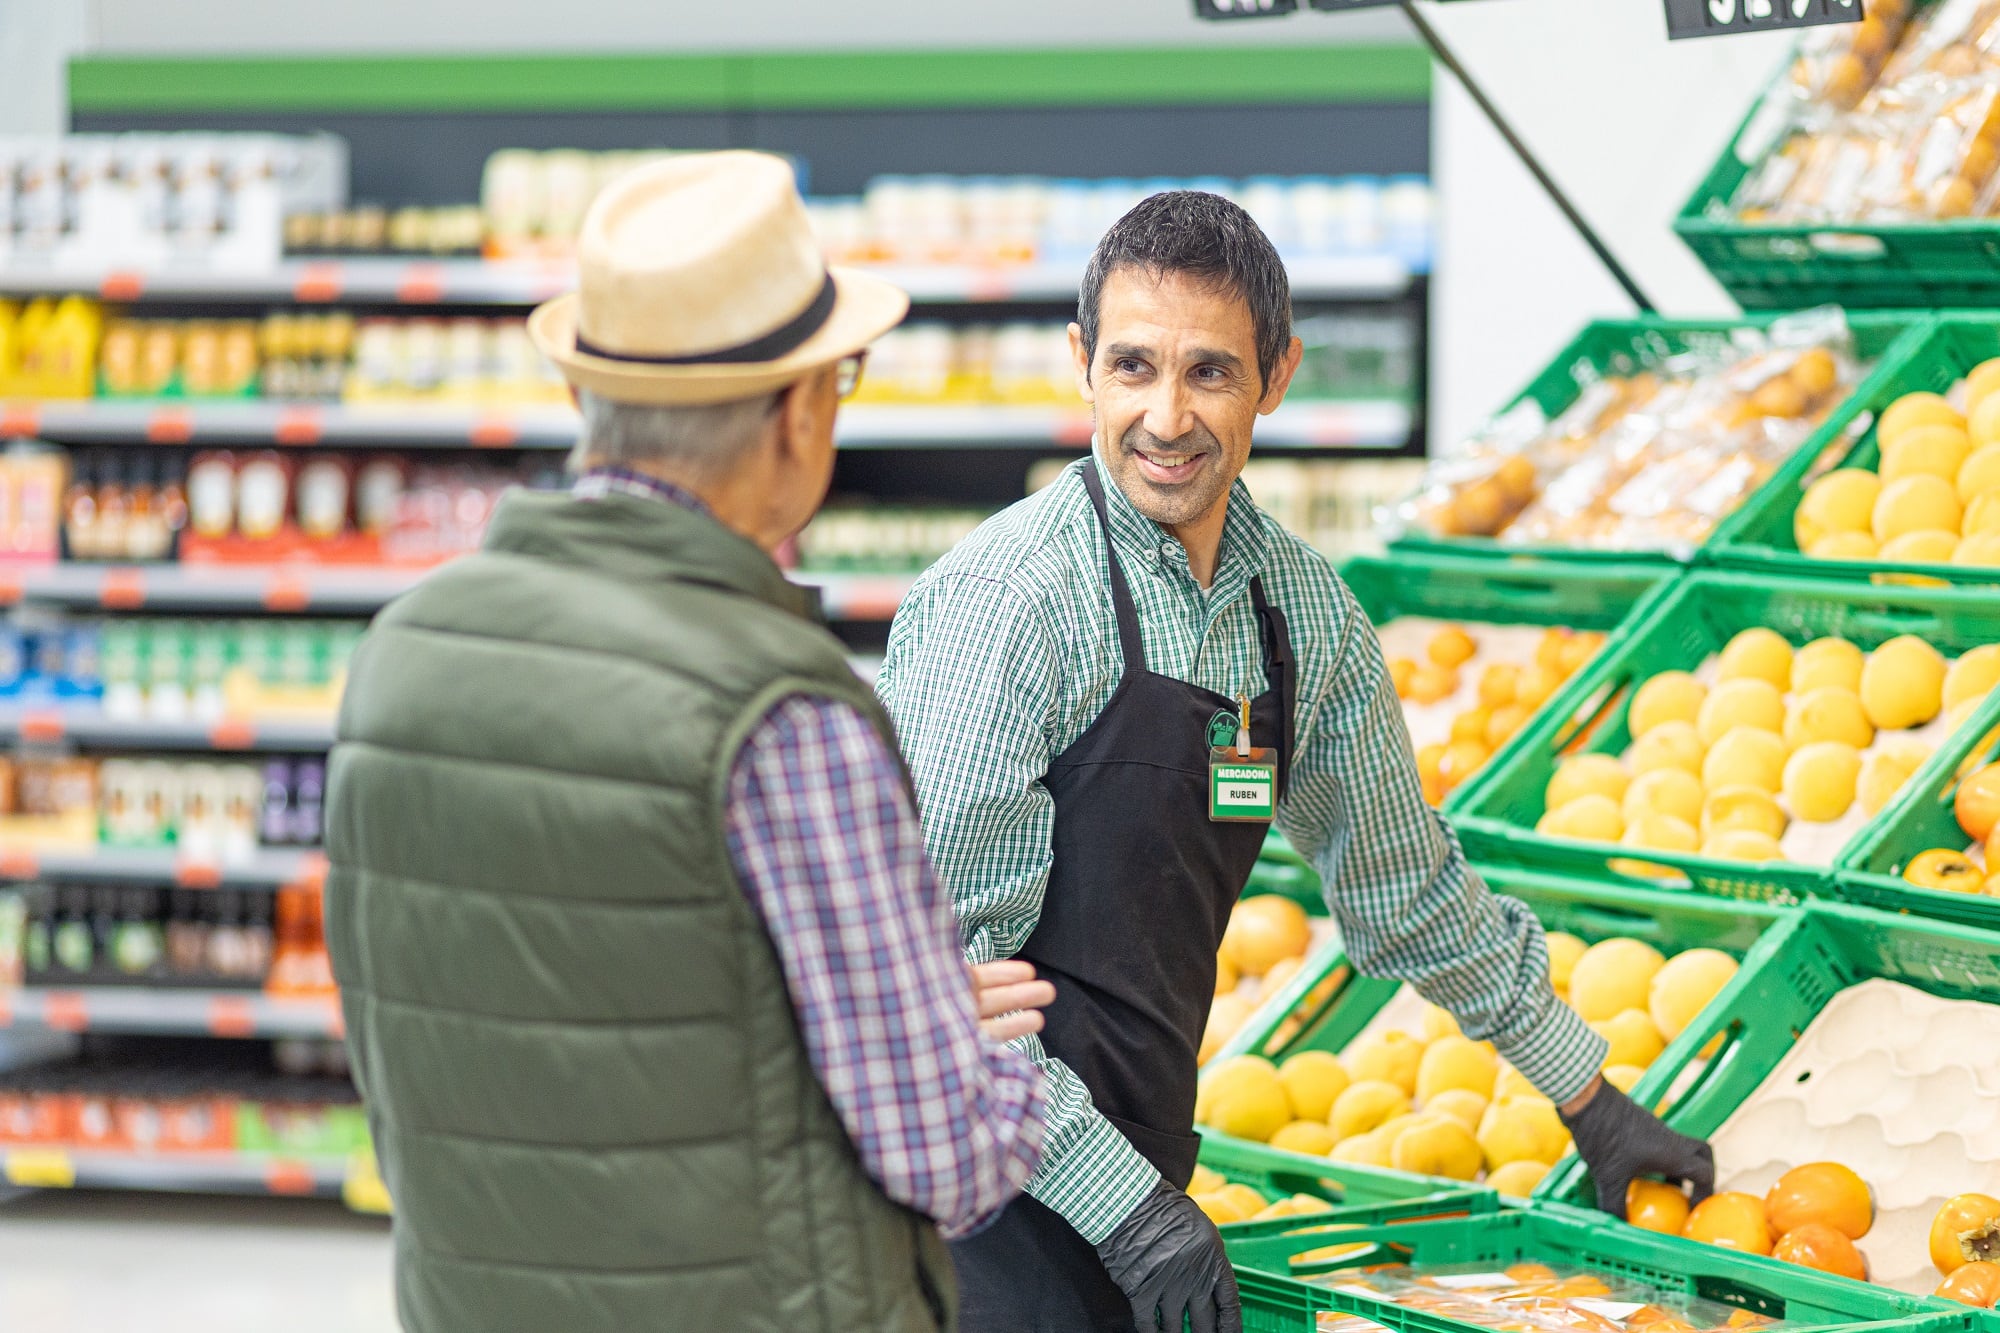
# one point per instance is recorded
(1759, 536)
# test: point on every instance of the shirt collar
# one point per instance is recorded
(1138, 537)
(599, 482)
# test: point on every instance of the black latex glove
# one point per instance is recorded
(1619, 1140)
(1167, 1258)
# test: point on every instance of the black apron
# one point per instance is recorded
(1138, 896)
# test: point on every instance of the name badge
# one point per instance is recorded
(1242, 789)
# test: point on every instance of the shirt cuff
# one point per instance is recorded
(1557, 1051)
(1096, 1182)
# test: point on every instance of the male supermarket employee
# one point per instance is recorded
(1054, 681)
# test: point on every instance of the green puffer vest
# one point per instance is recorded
(586, 1084)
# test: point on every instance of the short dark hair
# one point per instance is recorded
(1204, 236)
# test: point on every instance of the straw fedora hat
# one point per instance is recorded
(700, 281)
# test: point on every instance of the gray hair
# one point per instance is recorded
(701, 440)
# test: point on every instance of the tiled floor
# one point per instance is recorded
(158, 1263)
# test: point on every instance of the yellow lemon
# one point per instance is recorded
(1981, 516)
(1367, 1105)
(1634, 1040)
(1903, 684)
(1587, 775)
(1984, 422)
(1842, 546)
(1980, 474)
(1820, 780)
(1517, 1179)
(1842, 501)
(1925, 546)
(1385, 1057)
(1741, 703)
(1363, 1150)
(1912, 410)
(1981, 548)
(1743, 844)
(1456, 1062)
(1886, 769)
(1829, 713)
(1512, 1085)
(1612, 976)
(1663, 791)
(1313, 1137)
(1461, 1104)
(1248, 1100)
(1913, 504)
(1936, 450)
(1745, 757)
(1671, 696)
(1225, 1017)
(1623, 1077)
(1205, 1179)
(1728, 809)
(1438, 1024)
(1831, 661)
(1669, 745)
(1564, 949)
(1685, 986)
(1588, 818)
(1312, 1080)
(1759, 654)
(1522, 1131)
(1438, 1147)
(1972, 675)
(1982, 380)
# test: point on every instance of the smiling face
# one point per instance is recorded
(1174, 390)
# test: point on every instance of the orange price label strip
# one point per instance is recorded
(44, 724)
(312, 872)
(495, 432)
(288, 1177)
(233, 734)
(422, 284)
(318, 283)
(231, 1016)
(122, 285)
(65, 1011)
(13, 585)
(122, 590)
(19, 863)
(300, 426)
(41, 1169)
(1073, 431)
(20, 420)
(287, 592)
(989, 285)
(170, 425)
(197, 874)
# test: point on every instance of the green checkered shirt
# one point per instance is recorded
(1007, 649)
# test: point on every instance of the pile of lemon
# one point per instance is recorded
(1722, 770)
(1436, 1102)
(1935, 496)
(1263, 947)
(1506, 696)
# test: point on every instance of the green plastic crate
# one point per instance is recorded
(1923, 265)
(1696, 618)
(1622, 346)
(1758, 537)
(1920, 817)
(1522, 591)
(1555, 1234)
(1810, 957)
(1276, 1174)
(1281, 870)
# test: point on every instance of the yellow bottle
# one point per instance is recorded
(69, 349)
(9, 354)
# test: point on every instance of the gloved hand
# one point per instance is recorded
(1620, 1140)
(1167, 1258)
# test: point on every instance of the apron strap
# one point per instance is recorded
(1281, 672)
(1129, 641)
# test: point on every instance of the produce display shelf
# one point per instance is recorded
(161, 1011)
(1870, 872)
(1759, 536)
(1927, 265)
(89, 727)
(1270, 1270)
(1585, 907)
(266, 868)
(471, 282)
(1813, 954)
(1677, 631)
(1622, 346)
(1333, 424)
(186, 1173)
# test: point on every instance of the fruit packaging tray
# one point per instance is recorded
(1758, 537)
(1271, 1271)
(1892, 1073)
(1679, 630)
(1921, 817)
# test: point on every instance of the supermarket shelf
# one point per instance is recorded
(91, 728)
(266, 868)
(191, 1173)
(195, 1013)
(419, 282)
(1357, 424)
(856, 596)
(331, 590)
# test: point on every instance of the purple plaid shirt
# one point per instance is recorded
(824, 837)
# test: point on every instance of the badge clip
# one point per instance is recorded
(1242, 778)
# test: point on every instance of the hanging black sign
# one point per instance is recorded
(1719, 18)
(1334, 6)
(1243, 9)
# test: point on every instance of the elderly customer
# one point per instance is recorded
(657, 1008)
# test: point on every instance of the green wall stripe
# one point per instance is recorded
(1135, 76)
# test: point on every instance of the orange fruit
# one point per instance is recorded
(1977, 804)
(1452, 646)
(1731, 1220)
(1976, 1283)
(1817, 1245)
(1823, 1192)
(1966, 1228)
(1654, 1206)
(1263, 929)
